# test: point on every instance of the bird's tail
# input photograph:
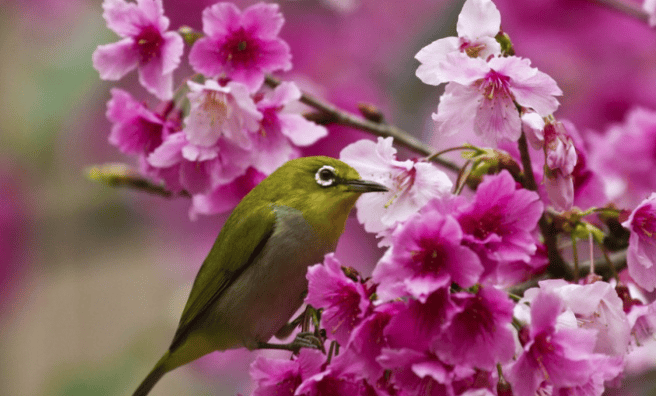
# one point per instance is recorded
(151, 379)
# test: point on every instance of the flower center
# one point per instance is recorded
(240, 49)
(216, 108)
(431, 257)
(148, 43)
(495, 84)
(644, 221)
(482, 226)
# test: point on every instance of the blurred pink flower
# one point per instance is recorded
(478, 24)
(649, 6)
(146, 45)
(426, 255)
(412, 183)
(344, 301)
(641, 254)
(482, 95)
(480, 334)
(135, 129)
(241, 46)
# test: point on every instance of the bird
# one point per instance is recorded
(253, 279)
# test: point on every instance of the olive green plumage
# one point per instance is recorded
(253, 278)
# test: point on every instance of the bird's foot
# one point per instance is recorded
(302, 340)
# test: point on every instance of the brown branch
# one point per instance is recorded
(632, 10)
(342, 117)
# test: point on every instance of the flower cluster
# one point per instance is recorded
(229, 132)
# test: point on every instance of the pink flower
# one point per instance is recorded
(499, 222)
(282, 131)
(344, 301)
(339, 378)
(642, 319)
(135, 129)
(412, 183)
(221, 112)
(146, 45)
(649, 6)
(480, 334)
(482, 96)
(641, 254)
(595, 306)
(478, 24)
(426, 255)
(241, 46)
(277, 377)
(556, 355)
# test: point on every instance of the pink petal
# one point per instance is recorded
(431, 57)
(455, 113)
(220, 19)
(497, 119)
(153, 11)
(115, 60)
(263, 20)
(204, 58)
(276, 55)
(124, 18)
(300, 131)
(154, 80)
(172, 50)
(478, 18)
(170, 152)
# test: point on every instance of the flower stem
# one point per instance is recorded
(342, 117)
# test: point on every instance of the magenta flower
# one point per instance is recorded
(136, 129)
(341, 377)
(241, 46)
(498, 224)
(221, 112)
(641, 254)
(345, 302)
(282, 131)
(146, 45)
(412, 183)
(478, 24)
(482, 96)
(480, 334)
(559, 356)
(277, 377)
(426, 255)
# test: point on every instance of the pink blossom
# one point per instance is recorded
(499, 222)
(282, 131)
(642, 319)
(426, 255)
(225, 197)
(339, 378)
(649, 6)
(344, 301)
(559, 356)
(641, 254)
(627, 182)
(595, 306)
(135, 129)
(480, 334)
(221, 112)
(145, 45)
(478, 24)
(277, 377)
(241, 46)
(482, 96)
(412, 183)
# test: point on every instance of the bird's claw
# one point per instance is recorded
(302, 340)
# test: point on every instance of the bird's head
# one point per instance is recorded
(324, 189)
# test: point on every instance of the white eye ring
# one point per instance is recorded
(326, 176)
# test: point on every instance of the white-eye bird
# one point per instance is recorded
(253, 279)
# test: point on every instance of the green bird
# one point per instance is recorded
(253, 279)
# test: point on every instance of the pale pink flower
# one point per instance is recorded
(412, 183)
(641, 254)
(145, 45)
(649, 6)
(218, 111)
(478, 24)
(482, 96)
(241, 46)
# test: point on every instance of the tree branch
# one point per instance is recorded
(632, 10)
(121, 175)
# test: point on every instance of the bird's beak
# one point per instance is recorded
(364, 186)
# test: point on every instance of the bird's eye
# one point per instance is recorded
(325, 176)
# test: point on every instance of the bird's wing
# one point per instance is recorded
(231, 254)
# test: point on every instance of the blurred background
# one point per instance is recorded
(93, 279)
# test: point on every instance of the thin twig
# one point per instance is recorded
(343, 117)
(121, 175)
(632, 10)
